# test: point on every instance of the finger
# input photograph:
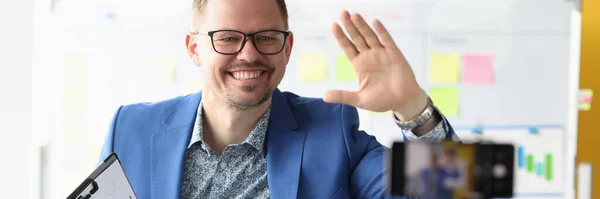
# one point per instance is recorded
(342, 97)
(345, 43)
(357, 38)
(386, 39)
(366, 31)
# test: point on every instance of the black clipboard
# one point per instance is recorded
(108, 179)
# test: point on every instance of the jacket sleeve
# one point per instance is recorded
(107, 147)
(369, 177)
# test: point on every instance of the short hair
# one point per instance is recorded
(451, 152)
(199, 6)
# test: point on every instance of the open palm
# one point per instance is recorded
(386, 80)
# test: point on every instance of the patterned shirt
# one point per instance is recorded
(239, 172)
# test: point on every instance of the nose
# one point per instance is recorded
(249, 52)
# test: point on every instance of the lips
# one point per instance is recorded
(246, 75)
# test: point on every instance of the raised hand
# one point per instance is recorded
(386, 80)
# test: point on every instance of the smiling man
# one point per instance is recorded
(243, 138)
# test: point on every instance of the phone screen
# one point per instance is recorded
(451, 170)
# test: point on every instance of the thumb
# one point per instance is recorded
(342, 97)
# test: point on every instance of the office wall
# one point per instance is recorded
(16, 19)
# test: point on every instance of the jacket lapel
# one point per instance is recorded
(169, 146)
(285, 146)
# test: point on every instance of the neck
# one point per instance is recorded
(224, 125)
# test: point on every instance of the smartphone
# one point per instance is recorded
(451, 170)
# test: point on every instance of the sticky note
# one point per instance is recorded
(446, 99)
(75, 70)
(584, 106)
(585, 99)
(478, 69)
(585, 95)
(444, 68)
(74, 99)
(312, 67)
(159, 68)
(344, 69)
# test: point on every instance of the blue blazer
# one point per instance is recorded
(314, 149)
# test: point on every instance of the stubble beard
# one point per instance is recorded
(243, 105)
(266, 91)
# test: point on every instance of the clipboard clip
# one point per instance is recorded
(86, 190)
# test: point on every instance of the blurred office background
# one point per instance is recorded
(509, 68)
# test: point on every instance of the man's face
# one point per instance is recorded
(433, 161)
(449, 158)
(246, 79)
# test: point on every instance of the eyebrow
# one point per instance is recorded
(255, 30)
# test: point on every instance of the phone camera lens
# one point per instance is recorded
(499, 171)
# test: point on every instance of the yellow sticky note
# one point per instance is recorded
(344, 69)
(444, 68)
(446, 99)
(74, 99)
(583, 106)
(312, 67)
(159, 68)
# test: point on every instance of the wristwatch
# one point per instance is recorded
(425, 116)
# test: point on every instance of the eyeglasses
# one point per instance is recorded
(229, 42)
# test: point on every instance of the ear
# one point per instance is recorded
(288, 46)
(190, 45)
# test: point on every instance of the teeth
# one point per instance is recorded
(243, 75)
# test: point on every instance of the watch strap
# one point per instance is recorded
(425, 116)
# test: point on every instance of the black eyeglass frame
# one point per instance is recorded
(285, 33)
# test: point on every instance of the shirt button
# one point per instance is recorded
(223, 165)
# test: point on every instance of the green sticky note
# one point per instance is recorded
(530, 163)
(548, 167)
(444, 68)
(446, 99)
(344, 69)
(312, 67)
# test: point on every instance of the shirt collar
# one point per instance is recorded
(256, 138)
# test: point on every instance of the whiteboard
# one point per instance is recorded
(529, 40)
(546, 147)
(530, 48)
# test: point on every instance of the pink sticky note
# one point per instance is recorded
(478, 69)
